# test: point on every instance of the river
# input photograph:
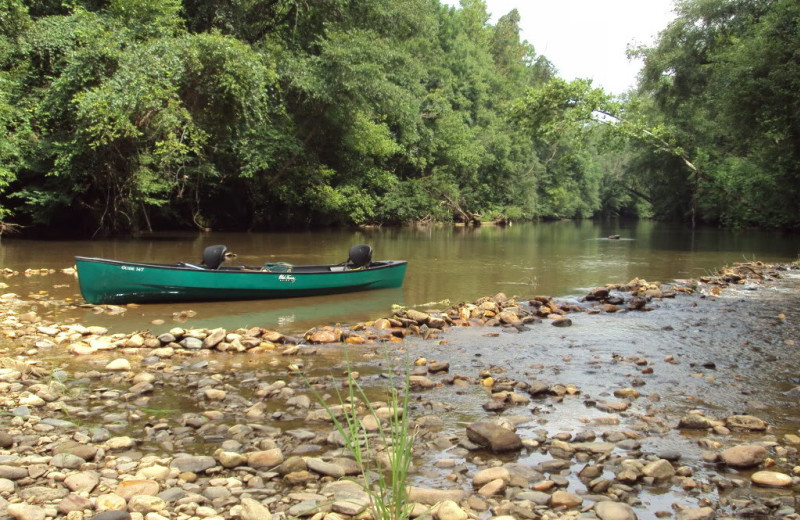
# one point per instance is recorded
(445, 263)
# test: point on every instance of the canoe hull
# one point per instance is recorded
(105, 281)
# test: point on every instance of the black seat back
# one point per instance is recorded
(359, 256)
(213, 256)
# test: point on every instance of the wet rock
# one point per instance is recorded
(746, 422)
(417, 316)
(489, 474)
(6, 440)
(608, 510)
(696, 513)
(254, 510)
(694, 422)
(771, 479)
(420, 383)
(658, 469)
(744, 456)
(494, 436)
(120, 364)
(561, 322)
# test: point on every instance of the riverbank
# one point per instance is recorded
(677, 412)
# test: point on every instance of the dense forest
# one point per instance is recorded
(120, 116)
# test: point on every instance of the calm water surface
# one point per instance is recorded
(445, 263)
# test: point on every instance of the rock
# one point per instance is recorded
(6, 440)
(449, 510)
(230, 459)
(254, 510)
(434, 496)
(120, 364)
(608, 510)
(66, 461)
(7, 486)
(82, 482)
(771, 479)
(495, 487)
(74, 502)
(746, 422)
(659, 469)
(565, 498)
(491, 435)
(489, 474)
(324, 336)
(42, 493)
(419, 317)
(110, 502)
(420, 382)
(119, 443)
(145, 504)
(265, 459)
(694, 421)
(215, 394)
(696, 513)
(744, 456)
(325, 468)
(26, 512)
(626, 393)
(112, 515)
(561, 322)
(193, 464)
(214, 339)
(127, 489)
(13, 472)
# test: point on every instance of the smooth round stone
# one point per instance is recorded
(771, 479)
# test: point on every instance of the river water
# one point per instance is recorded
(445, 263)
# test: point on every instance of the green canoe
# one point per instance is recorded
(104, 281)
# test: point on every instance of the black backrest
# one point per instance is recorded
(360, 256)
(213, 256)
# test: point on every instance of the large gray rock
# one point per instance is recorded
(193, 464)
(493, 436)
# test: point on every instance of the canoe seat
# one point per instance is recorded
(213, 256)
(359, 256)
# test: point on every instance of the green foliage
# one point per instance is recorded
(724, 79)
(132, 114)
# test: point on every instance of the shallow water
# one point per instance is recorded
(445, 263)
